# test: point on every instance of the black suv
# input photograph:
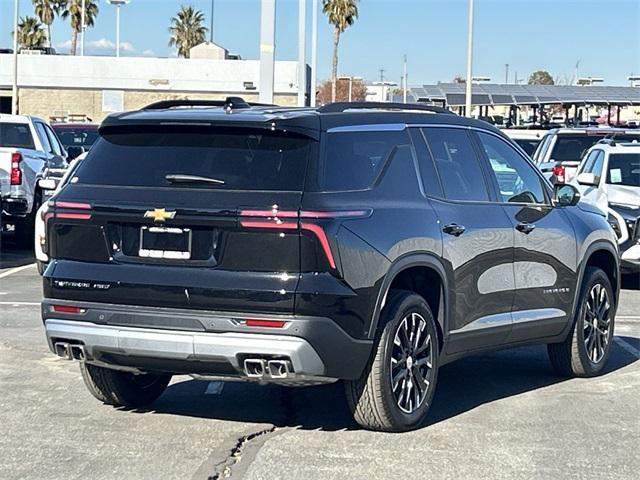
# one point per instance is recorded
(369, 243)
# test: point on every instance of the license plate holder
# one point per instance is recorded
(171, 243)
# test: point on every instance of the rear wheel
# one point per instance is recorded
(585, 351)
(123, 389)
(396, 389)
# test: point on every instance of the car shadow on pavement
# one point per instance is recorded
(630, 281)
(462, 386)
(13, 255)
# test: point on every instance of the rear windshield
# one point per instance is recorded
(573, 147)
(77, 136)
(16, 135)
(232, 159)
(624, 169)
(529, 145)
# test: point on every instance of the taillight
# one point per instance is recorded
(67, 309)
(273, 219)
(72, 215)
(16, 173)
(558, 172)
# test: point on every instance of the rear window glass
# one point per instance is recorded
(230, 159)
(77, 136)
(16, 135)
(573, 147)
(353, 160)
(529, 145)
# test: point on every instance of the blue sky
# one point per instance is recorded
(604, 35)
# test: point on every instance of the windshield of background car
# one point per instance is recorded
(529, 145)
(236, 158)
(573, 147)
(624, 169)
(16, 135)
(76, 136)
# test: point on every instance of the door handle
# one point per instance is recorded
(454, 229)
(525, 227)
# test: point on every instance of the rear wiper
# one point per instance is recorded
(179, 178)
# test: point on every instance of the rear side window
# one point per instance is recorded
(353, 160)
(16, 135)
(457, 164)
(231, 158)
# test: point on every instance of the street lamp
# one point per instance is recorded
(469, 60)
(14, 86)
(118, 4)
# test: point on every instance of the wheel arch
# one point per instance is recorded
(405, 267)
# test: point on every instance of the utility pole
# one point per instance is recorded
(469, 61)
(14, 87)
(314, 51)
(267, 49)
(302, 68)
(404, 80)
(506, 73)
(381, 70)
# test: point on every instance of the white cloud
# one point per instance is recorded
(127, 47)
(149, 53)
(100, 44)
(64, 45)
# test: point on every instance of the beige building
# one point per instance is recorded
(55, 86)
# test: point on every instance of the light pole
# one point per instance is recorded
(404, 80)
(267, 49)
(467, 106)
(118, 4)
(82, 23)
(302, 70)
(14, 87)
(314, 50)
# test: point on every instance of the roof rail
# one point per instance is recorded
(338, 107)
(227, 103)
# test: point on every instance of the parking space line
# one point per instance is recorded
(21, 304)
(627, 317)
(627, 346)
(15, 270)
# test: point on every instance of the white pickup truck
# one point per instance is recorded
(32, 160)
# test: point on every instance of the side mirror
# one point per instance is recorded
(47, 184)
(565, 195)
(588, 179)
(73, 152)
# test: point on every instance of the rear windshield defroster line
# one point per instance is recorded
(240, 158)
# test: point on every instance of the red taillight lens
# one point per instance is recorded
(72, 215)
(67, 309)
(558, 172)
(78, 205)
(256, 322)
(16, 173)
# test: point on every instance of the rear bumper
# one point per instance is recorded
(205, 343)
(15, 207)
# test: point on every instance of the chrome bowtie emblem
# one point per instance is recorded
(159, 214)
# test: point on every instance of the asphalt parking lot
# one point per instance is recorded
(503, 415)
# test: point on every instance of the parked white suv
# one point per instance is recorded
(609, 177)
(32, 159)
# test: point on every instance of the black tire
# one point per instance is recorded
(41, 266)
(373, 400)
(123, 389)
(572, 357)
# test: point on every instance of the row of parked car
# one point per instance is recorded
(34, 155)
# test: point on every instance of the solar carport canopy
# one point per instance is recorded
(496, 94)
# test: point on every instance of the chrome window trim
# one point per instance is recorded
(374, 127)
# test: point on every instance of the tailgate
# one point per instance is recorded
(5, 170)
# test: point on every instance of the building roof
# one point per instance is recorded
(498, 94)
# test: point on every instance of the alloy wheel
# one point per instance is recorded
(597, 323)
(411, 369)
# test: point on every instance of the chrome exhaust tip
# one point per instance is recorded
(254, 367)
(63, 350)
(279, 368)
(77, 352)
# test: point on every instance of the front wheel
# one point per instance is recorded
(123, 389)
(585, 351)
(396, 389)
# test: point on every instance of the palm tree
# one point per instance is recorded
(30, 33)
(45, 12)
(187, 30)
(72, 9)
(341, 14)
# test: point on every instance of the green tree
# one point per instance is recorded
(341, 14)
(72, 10)
(45, 11)
(541, 77)
(30, 33)
(187, 30)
